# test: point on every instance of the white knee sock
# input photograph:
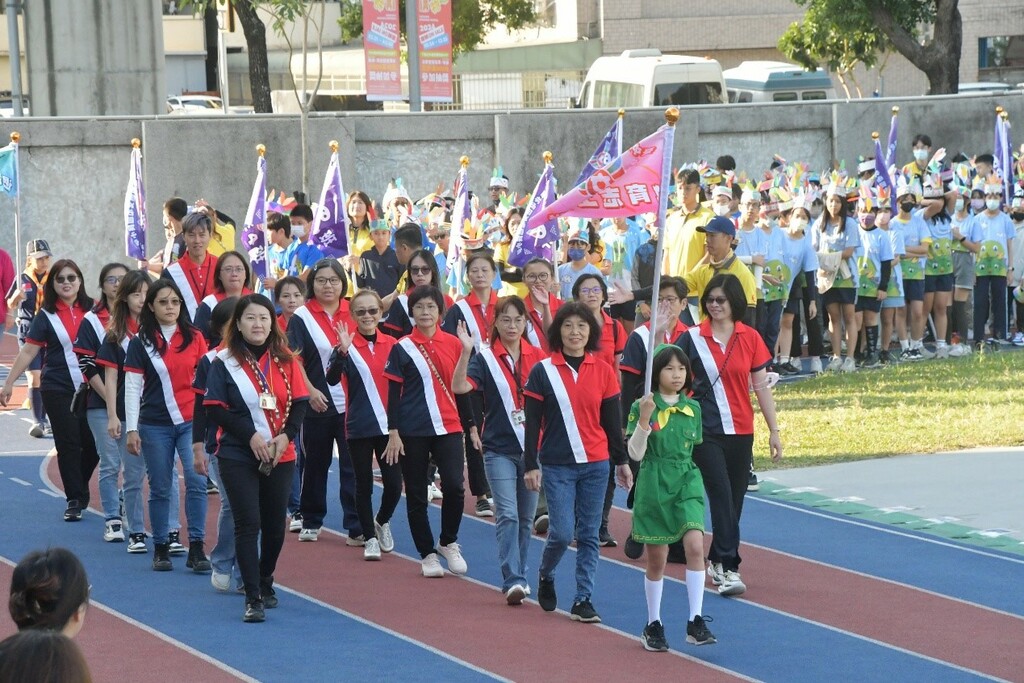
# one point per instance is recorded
(695, 592)
(653, 591)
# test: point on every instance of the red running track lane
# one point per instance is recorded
(118, 651)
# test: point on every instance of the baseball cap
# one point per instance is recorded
(38, 248)
(720, 224)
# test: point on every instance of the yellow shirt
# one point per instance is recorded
(683, 245)
(508, 288)
(358, 241)
(697, 279)
(223, 240)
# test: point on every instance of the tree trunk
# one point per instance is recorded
(940, 58)
(210, 32)
(256, 44)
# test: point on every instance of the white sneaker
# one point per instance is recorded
(430, 567)
(371, 550)
(309, 535)
(835, 364)
(816, 365)
(715, 573)
(295, 525)
(433, 493)
(220, 582)
(942, 352)
(387, 541)
(515, 595)
(959, 350)
(849, 365)
(1018, 339)
(925, 353)
(732, 584)
(453, 555)
(355, 541)
(113, 532)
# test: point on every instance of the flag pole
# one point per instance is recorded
(622, 115)
(548, 161)
(15, 139)
(671, 117)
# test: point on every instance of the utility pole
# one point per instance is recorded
(13, 40)
(412, 42)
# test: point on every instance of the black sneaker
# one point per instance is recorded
(197, 560)
(267, 593)
(211, 488)
(74, 512)
(254, 613)
(752, 483)
(546, 595)
(161, 560)
(697, 632)
(787, 369)
(633, 549)
(540, 524)
(872, 360)
(174, 544)
(653, 637)
(584, 611)
(483, 508)
(605, 539)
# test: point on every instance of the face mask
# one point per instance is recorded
(977, 204)
(960, 204)
(992, 204)
(720, 209)
(797, 224)
(867, 220)
(298, 230)
(921, 155)
(1017, 217)
(907, 207)
(576, 254)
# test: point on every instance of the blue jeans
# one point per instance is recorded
(514, 508)
(300, 460)
(575, 496)
(113, 456)
(222, 555)
(159, 444)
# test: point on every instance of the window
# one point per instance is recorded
(687, 93)
(745, 96)
(812, 95)
(610, 94)
(784, 97)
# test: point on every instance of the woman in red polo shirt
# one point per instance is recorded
(256, 395)
(65, 303)
(727, 357)
(232, 277)
(193, 272)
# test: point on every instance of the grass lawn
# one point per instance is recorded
(925, 407)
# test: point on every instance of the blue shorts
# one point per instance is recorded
(839, 295)
(37, 362)
(894, 302)
(913, 290)
(938, 283)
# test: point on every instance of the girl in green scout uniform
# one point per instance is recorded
(669, 499)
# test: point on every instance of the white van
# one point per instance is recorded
(647, 78)
(777, 82)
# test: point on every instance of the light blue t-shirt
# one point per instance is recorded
(993, 233)
(898, 250)
(875, 248)
(567, 277)
(798, 256)
(831, 240)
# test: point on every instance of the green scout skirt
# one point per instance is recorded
(668, 501)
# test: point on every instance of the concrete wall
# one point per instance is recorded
(74, 170)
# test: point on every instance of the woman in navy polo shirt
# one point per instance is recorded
(573, 427)
(422, 270)
(232, 276)
(313, 334)
(27, 294)
(158, 401)
(65, 303)
(727, 357)
(424, 422)
(257, 396)
(497, 376)
(361, 358)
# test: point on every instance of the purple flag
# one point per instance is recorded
(610, 148)
(540, 241)
(890, 154)
(462, 213)
(135, 210)
(254, 235)
(882, 176)
(1008, 165)
(330, 225)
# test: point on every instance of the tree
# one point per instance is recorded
(256, 45)
(840, 30)
(471, 19)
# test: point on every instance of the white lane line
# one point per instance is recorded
(50, 493)
(20, 481)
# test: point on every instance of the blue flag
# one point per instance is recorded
(9, 170)
(330, 224)
(135, 222)
(538, 242)
(254, 235)
(610, 148)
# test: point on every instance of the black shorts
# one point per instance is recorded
(793, 306)
(839, 295)
(913, 290)
(868, 303)
(938, 283)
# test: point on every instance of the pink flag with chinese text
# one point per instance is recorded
(629, 185)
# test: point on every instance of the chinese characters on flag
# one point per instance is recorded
(434, 18)
(381, 50)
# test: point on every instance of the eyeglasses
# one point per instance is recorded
(113, 279)
(169, 302)
(233, 270)
(442, 235)
(590, 290)
(324, 281)
(70, 279)
(668, 299)
(537, 277)
(720, 300)
(359, 313)
(419, 270)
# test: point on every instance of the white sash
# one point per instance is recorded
(66, 345)
(471, 324)
(505, 392)
(324, 347)
(165, 383)
(366, 375)
(572, 430)
(711, 370)
(644, 334)
(97, 326)
(177, 274)
(250, 396)
(428, 384)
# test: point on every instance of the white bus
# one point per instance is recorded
(647, 78)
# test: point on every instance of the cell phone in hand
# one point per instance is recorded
(267, 467)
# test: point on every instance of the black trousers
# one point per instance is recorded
(260, 506)
(449, 457)
(320, 434)
(76, 450)
(478, 485)
(362, 451)
(815, 340)
(724, 462)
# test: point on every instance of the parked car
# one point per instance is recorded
(195, 104)
(762, 81)
(647, 78)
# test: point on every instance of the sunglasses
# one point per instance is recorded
(419, 270)
(61, 279)
(720, 300)
(359, 313)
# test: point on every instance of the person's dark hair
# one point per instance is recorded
(505, 302)
(733, 291)
(176, 208)
(149, 328)
(102, 302)
(42, 657)
(220, 316)
(514, 211)
(688, 176)
(134, 281)
(431, 262)
(737, 192)
(725, 163)
(47, 588)
(485, 255)
(302, 211)
(278, 221)
(235, 342)
(675, 284)
(410, 235)
(666, 356)
(568, 310)
(288, 280)
(826, 216)
(427, 292)
(217, 285)
(369, 207)
(538, 260)
(50, 296)
(195, 221)
(329, 264)
(922, 138)
(985, 159)
(576, 286)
